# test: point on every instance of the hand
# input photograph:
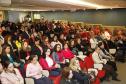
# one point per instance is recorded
(63, 62)
(16, 64)
(27, 57)
(57, 66)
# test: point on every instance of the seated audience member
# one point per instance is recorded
(47, 43)
(67, 53)
(55, 41)
(37, 48)
(67, 76)
(106, 55)
(120, 43)
(79, 45)
(99, 60)
(58, 56)
(7, 56)
(25, 51)
(10, 75)
(47, 63)
(72, 46)
(62, 38)
(14, 49)
(78, 75)
(35, 71)
(93, 41)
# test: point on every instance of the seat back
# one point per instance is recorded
(29, 81)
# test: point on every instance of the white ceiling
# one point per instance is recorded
(37, 5)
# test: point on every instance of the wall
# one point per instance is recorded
(116, 17)
(15, 16)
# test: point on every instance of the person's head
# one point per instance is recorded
(72, 42)
(97, 49)
(55, 38)
(46, 40)
(65, 46)
(7, 66)
(101, 45)
(67, 73)
(74, 62)
(33, 59)
(37, 41)
(20, 37)
(7, 38)
(25, 44)
(62, 36)
(46, 52)
(6, 49)
(57, 47)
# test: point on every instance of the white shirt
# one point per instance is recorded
(49, 61)
(93, 42)
(98, 59)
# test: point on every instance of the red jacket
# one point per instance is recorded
(45, 65)
(68, 54)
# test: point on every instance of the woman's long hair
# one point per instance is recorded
(4, 48)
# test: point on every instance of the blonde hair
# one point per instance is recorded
(74, 65)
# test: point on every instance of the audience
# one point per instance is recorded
(56, 45)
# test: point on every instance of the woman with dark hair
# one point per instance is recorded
(11, 75)
(67, 76)
(8, 40)
(47, 42)
(98, 59)
(73, 46)
(37, 48)
(106, 55)
(62, 38)
(35, 71)
(58, 56)
(7, 56)
(49, 64)
(67, 53)
(55, 41)
(80, 46)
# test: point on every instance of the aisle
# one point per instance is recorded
(122, 74)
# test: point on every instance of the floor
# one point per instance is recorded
(122, 74)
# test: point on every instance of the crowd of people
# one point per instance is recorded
(80, 55)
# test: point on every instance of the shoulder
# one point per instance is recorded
(3, 74)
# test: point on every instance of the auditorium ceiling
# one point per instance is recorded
(45, 5)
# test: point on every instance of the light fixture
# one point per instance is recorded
(78, 3)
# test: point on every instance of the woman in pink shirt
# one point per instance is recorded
(35, 71)
(10, 75)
